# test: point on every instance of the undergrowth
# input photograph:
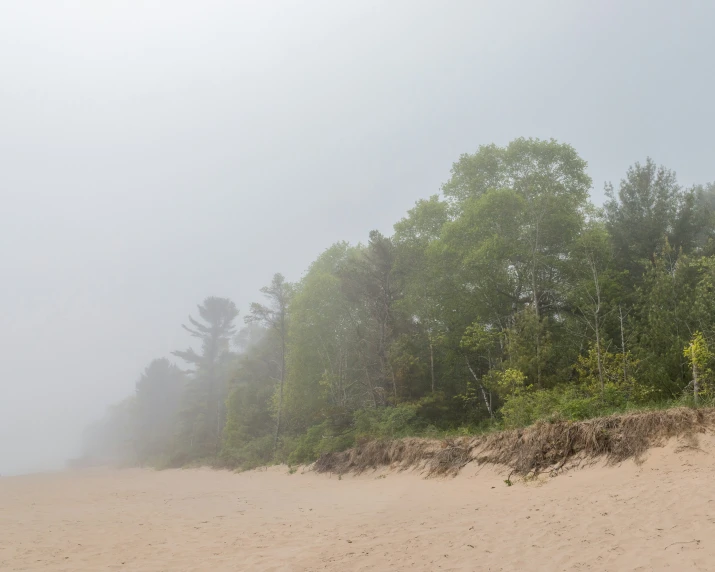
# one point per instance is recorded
(545, 445)
(379, 437)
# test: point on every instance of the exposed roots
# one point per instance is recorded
(437, 457)
(543, 446)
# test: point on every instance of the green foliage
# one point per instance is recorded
(507, 299)
(317, 440)
(619, 377)
(389, 422)
(642, 213)
(697, 352)
(700, 358)
(524, 164)
(253, 453)
(202, 414)
(322, 365)
(524, 408)
(511, 382)
(479, 339)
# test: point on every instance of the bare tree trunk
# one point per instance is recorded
(598, 354)
(533, 271)
(538, 350)
(535, 294)
(394, 383)
(597, 325)
(431, 362)
(275, 316)
(481, 387)
(538, 323)
(280, 390)
(696, 385)
(370, 385)
(625, 356)
(218, 426)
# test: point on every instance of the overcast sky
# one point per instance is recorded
(154, 153)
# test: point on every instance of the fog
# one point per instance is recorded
(155, 153)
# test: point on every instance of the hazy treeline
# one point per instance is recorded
(506, 298)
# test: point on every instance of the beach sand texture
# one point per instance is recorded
(657, 515)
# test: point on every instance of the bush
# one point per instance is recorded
(252, 454)
(573, 403)
(318, 440)
(407, 419)
(524, 408)
(389, 423)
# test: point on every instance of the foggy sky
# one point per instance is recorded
(154, 153)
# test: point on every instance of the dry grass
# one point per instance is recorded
(540, 447)
(399, 453)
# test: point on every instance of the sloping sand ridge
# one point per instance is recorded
(657, 515)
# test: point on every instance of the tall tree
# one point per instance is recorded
(274, 315)
(642, 214)
(528, 166)
(369, 282)
(250, 427)
(423, 286)
(324, 370)
(520, 210)
(206, 395)
(593, 288)
(694, 230)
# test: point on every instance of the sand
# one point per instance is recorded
(659, 515)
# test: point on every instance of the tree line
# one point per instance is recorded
(507, 298)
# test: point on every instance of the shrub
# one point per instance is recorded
(254, 453)
(315, 441)
(390, 422)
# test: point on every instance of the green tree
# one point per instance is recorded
(528, 166)
(275, 317)
(670, 306)
(249, 434)
(521, 210)
(593, 288)
(327, 378)
(645, 211)
(509, 297)
(204, 400)
(420, 271)
(372, 287)
(698, 355)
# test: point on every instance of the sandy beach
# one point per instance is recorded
(656, 515)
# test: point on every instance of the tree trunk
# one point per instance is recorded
(431, 363)
(598, 355)
(394, 382)
(696, 386)
(597, 325)
(481, 387)
(625, 357)
(280, 390)
(218, 426)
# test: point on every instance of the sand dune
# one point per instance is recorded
(659, 515)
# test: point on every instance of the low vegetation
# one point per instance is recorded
(544, 446)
